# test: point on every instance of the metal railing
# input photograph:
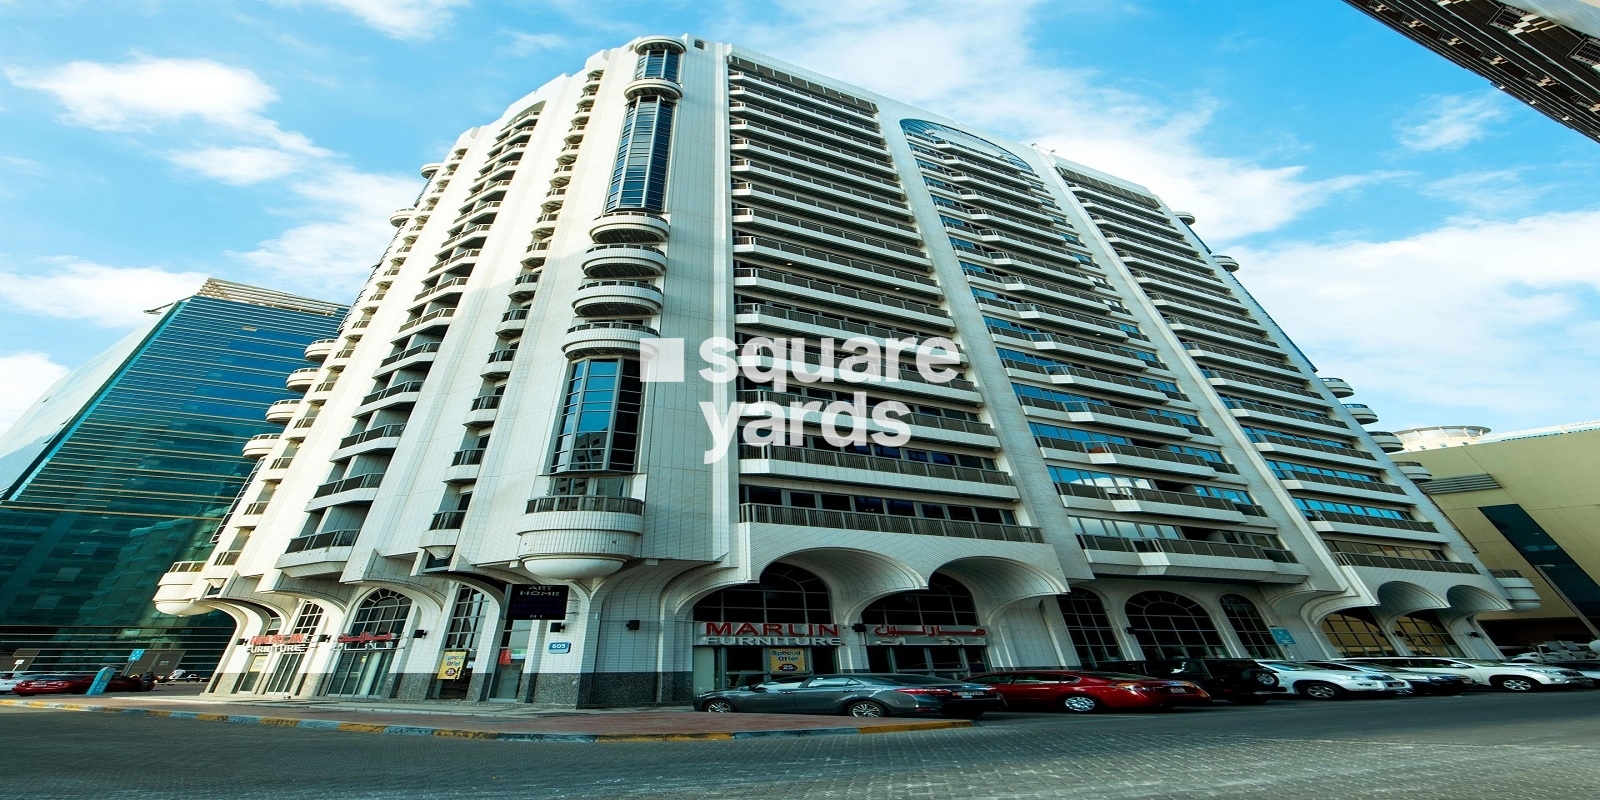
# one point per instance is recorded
(1267, 438)
(380, 432)
(485, 402)
(1505, 573)
(926, 420)
(227, 558)
(186, 566)
(1314, 477)
(832, 258)
(446, 520)
(822, 321)
(438, 313)
(399, 388)
(467, 458)
(1091, 374)
(1363, 519)
(1078, 407)
(1398, 562)
(445, 284)
(429, 347)
(836, 289)
(829, 185)
(586, 502)
(1287, 388)
(368, 481)
(830, 231)
(1131, 450)
(829, 458)
(318, 541)
(1147, 495)
(851, 520)
(255, 508)
(828, 207)
(1187, 547)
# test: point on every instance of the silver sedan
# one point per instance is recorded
(857, 696)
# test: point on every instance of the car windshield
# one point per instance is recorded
(1289, 666)
(911, 680)
(1120, 676)
(1340, 667)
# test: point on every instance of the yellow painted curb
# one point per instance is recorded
(363, 727)
(915, 726)
(282, 722)
(152, 712)
(463, 734)
(212, 717)
(660, 737)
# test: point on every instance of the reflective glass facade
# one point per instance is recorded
(639, 179)
(140, 477)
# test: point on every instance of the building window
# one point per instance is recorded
(1170, 625)
(1355, 633)
(1250, 627)
(466, 618)
(1425, 635)
(599, 429)
(945, 602)
(384, 611)
(657, 64)
(1545, 553)
(639, 179)
(1090, 627)
(785, 594)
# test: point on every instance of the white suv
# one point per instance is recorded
(1500, 675)
(1320, 683)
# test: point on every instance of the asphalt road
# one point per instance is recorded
(1487, 745)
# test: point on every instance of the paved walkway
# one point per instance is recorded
(484, 721)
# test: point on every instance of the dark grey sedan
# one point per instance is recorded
(858, 696)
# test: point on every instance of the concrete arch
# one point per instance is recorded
(1401, 597)
(1467, 601)
(857, 578)
(999, 583)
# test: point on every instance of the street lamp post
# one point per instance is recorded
(1587, 623)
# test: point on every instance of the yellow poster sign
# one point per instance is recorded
(786, 660)
(452, 665)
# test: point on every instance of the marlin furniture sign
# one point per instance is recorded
(769, 634)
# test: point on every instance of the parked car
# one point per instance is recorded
(858, 696)
(1241, 681)
(76, 683)
(1420, 682)
(1321, 683)
(1088, 691)
(9, 680)
(1501, 675)
(1588, 668)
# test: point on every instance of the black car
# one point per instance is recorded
(1421, 683)
(864, 695)
(1236, 680)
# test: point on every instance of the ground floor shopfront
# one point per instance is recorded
(461, 640)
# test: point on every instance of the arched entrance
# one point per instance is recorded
(781, 626)
(1170, 625)
(367, 649)
(932, 631)
(286, 676)
(1251, 629)
(1093, 637)
(1354, 632)
(1425, 635)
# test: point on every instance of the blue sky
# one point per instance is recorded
(1419, 234)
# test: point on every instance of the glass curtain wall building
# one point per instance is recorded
(513, 451)
(125, 469)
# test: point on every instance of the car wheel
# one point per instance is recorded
(1317, 690)
(1255, 675)
(719, 707)
(1080, 704)
(1515, 683)
(866, 708)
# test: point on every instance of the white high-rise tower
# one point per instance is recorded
(1087, 442)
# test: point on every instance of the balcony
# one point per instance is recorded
(1523, 595)
(538, 253)
(1412, 564)
(594, 339)
(1415, 471)
(464, 466)
(1191, 560)
(883, 523)
(525, 287)
(825, 465)
(1128, 455)
(1362, 412)
(580, 536)
(1387, 441)
(626, 261)
(1339, 387)
(357, 490)
(1108, 415)
(447, 520)
(384, 438)
(818, 326)
(282, 411)
(1228, 263)
(398, 394)
(617, 298)
(438, 317)
(797, 256)
(319, 554)
(320, 349)
(498, 364)
(301, 379)
(648, 43)
(1250, 413)
(424, 353)
(446, 283)
(1133, 500)
(653, 87)
(1364, 525)
(401, 216)
(176, 591)
(629, 227)
(260, 445)
(1343, 487)
(511, 323)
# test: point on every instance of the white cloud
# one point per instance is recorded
(524, 43)
(401, 19)
(331, 257)
(1488, 192)
(972, 62)
(1472, 322)
(149, 91)
(240, 166)
(110, 297)
(27, 375)
(1449, 122)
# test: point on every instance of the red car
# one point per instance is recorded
(1085, 692)
(75, 683)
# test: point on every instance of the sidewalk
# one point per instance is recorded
(507, 722)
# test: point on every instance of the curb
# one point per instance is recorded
(500, 736)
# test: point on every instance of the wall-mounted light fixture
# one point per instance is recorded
(632, 625)
(557, 627)
(419, 634)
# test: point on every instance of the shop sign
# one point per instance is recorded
(560, 647)
(929, 635)
(769, 634)
(451, 665)
(282, 642)
(536, 601)
(368, 641)
(786, 660)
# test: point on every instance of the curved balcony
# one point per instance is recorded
(653, 87)
(624, 261)
(464, 466)
(321, 349)
(282, 410)
(1520, 591)
(499, 363)
(1228, 263)
(301, 379)
(545, 227)
(358, 490)
(1415, 471)
(180, 589)
(629, 227)
(1388, 441)
(1362, 412)
(617, 298)
(398, 394)
(260, 445)
(384, 438)
(483, 412)
(649, 43)
(574, 537)
(401, 216)
(593, 339)
(525, 287)
(429, 169)
(1339, 387)
(512, 323)
(1184, 217)
(323, 553)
